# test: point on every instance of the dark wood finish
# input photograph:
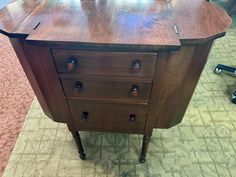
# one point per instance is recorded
(109, 117)
(36, 17)
(14, 14)
(48, 83)
(146, 140)
(178, 74)
(112, 22)
(19, 46)
(108, 22)
(105, 63)
(107, 51)
(107, 88)
(199, 20)
(102, 26)
(79, 145)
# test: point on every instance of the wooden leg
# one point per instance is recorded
(79, 145)
(146, 140)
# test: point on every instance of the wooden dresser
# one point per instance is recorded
(113, 65)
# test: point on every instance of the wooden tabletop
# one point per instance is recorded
(150, 23)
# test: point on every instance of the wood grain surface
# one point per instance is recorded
(150, 23)
(19, 46)
(199, 20)
(110, 117)
(105, 63)
(94, 90)
(108, 22)
(175, 79)
(107, 88)
(14, 14)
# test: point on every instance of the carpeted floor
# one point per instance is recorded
(203, 145)
(16, 97)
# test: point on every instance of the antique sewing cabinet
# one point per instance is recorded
(113, 65)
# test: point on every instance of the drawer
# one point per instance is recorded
(105, 63)
(107, 88)
(110, 117)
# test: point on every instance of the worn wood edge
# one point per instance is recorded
(201, 40)
(63, 49)
(107, 78)
(113, 101)
(110, 100)
(122, 47)
(104, 46)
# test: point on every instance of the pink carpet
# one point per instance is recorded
(15, 99)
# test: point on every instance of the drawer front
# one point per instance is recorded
(110, 117)
(105, 63)
(107, 88)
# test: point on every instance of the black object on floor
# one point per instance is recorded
(231, 70)
(220, 68)
(233, 97)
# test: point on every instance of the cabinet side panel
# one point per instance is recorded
(18, 47)
(190, 81)
(176, 77)
(41, 64)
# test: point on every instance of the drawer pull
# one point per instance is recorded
(71, 64)
(78, 86)
(136, 65)
(85, 115)
(134, 91)
(132, 118)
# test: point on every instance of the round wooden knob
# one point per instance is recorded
(78, 86)
(136, 66)
(71, 64)
(85, 115)
(132, 117)
(134, 91)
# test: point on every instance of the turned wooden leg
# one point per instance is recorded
(146, 140)
(79, 145)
